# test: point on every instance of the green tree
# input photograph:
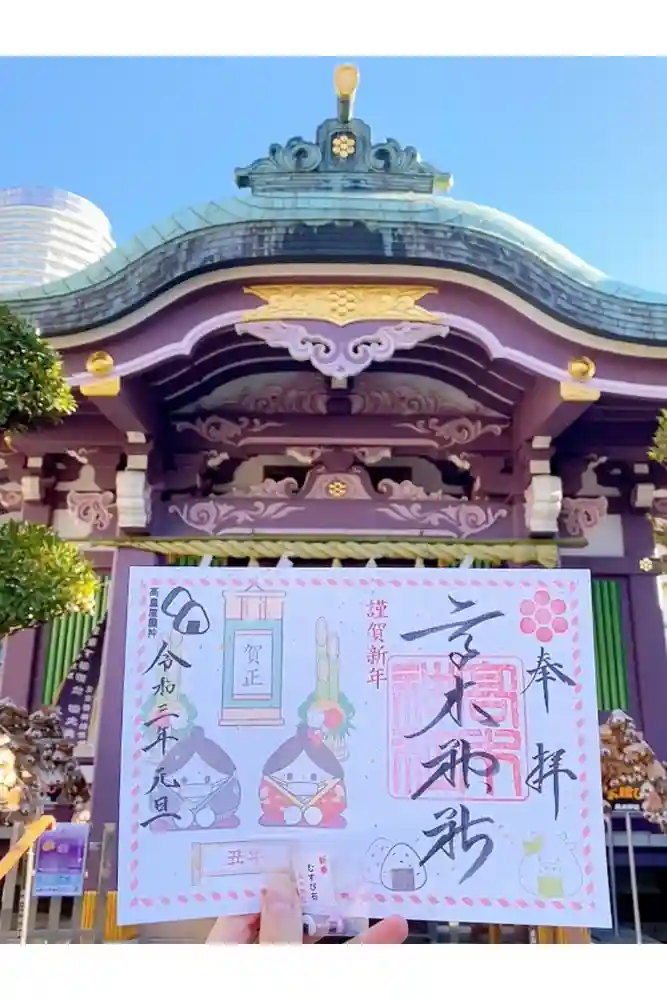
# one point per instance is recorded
(32, 388)
(41, 576)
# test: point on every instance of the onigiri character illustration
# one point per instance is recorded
(198, 779)
(402, 870)
(549, 868)
(303, 784)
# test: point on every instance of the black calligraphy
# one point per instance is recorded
(160, 779)
(160, 802)
(453, 707)
(454, 829)
(164, 686)
(458, 759)
(188, 616)
(547, 672)
(159, 741)
(459, 628)
(165, 659)
(162, 740)
(548, 769)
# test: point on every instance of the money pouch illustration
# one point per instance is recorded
(197, 779)
(252, 680)
(549, 868)
(303, 784)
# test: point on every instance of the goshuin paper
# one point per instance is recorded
(411, 741)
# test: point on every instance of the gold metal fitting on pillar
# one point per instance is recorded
(581, 371)
(100, 365)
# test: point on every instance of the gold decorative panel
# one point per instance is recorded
(341, 304)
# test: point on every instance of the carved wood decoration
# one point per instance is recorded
(423, 435)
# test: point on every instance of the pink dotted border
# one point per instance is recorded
(330, 581)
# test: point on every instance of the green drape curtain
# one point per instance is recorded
(65, 638)
(610, 647)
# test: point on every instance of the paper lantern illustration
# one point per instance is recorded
(252, 679)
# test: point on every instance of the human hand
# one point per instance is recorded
(281, 922)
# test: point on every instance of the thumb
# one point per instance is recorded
(281, 918)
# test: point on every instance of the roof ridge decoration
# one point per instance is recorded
(342, 158)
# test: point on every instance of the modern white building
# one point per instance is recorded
(47, 234)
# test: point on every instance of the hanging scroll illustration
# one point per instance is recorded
(406, 740)
(253, 658)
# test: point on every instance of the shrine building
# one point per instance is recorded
(340, 364)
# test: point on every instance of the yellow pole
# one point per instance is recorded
(31, 835)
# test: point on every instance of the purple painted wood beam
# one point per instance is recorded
(17, 673)
(648, 634)
(75, 432)
(543, 413)
(133, 410)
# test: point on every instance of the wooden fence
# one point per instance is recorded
(87, 919)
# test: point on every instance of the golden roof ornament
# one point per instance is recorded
(100, 366)
(346, 81)
(580, 371)
(343, 157)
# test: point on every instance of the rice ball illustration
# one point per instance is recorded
(401, 870)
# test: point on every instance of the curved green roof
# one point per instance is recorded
(343, 198)
(432, 210)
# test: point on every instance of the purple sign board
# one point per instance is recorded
(60, 865)
(76, 695)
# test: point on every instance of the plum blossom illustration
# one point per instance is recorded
(543, 616)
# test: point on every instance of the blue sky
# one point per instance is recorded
(576, 147)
